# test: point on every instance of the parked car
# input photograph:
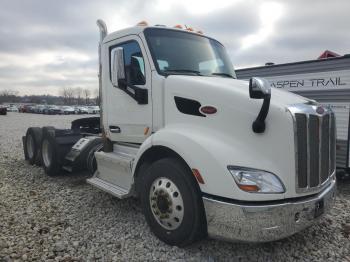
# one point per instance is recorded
(40, 109)
(93, 109)
(52, 110)
(83, 110)
(25, 108)
(3, 110)
(12, 109)
(67, 110)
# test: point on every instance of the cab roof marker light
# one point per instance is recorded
(142, 23)
(178, 26)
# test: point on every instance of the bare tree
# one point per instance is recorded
(96, 97)
(78, 91)
(8, 92)
(87, 94)
(68, 95)
(8, 95)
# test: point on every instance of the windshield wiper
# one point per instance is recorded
(182, 71)
(222, 74)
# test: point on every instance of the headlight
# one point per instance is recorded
(256, 181)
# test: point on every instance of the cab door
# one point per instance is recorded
(128, 120)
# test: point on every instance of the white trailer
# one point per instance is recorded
(207, 154)
(324, 80)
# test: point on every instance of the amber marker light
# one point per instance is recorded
(142, 23)
(178, 26)
(249, 188)
(145, 131)
(198, 176)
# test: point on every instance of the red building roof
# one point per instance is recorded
(328, 54)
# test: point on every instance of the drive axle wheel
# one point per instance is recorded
(172, 202)
(49, 153)
(32, 143)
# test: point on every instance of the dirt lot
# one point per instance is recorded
(64, 219)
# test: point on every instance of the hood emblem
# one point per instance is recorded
(320, 110)
(208, 110)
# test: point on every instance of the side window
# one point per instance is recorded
(134, 62)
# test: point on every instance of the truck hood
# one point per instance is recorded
(227, 135)
(240, 87)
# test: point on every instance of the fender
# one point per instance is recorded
(205, 151)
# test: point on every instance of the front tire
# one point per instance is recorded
(172, 203)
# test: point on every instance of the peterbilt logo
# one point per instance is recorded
(320, 110)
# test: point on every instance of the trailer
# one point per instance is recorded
(206, 154)
(324, 80)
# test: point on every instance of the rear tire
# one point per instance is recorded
(32, 145)
(172, 202)
(49, 154)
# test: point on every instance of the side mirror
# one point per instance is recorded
(118, 78)
(259, 88)
(118, 68)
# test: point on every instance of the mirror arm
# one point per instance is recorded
(259, 123)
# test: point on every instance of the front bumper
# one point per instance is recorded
(265, 222)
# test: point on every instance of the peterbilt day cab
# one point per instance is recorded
(206, 154)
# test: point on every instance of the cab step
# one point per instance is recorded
(108, 187)
(114, 170)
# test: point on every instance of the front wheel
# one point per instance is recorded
(172, 203)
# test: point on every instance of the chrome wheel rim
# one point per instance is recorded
(30, 146)
(46, 153)
(166, 203)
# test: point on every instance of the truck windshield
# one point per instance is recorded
(180, 52)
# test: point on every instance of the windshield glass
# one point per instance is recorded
(180, 52)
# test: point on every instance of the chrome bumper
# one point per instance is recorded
(266, 222)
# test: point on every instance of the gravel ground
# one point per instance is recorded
(64, 219)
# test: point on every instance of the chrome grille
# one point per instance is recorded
(315, 146)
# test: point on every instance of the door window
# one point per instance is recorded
(134, 62)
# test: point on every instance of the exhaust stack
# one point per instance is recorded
(103, 32)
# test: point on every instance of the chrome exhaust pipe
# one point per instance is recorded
(103, 32)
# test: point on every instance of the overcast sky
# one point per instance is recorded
(46, 45)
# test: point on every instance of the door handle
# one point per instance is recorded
(114, 129)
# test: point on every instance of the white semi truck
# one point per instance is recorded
(207, 154)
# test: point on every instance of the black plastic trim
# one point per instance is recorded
(188, 106)
(255, 203)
